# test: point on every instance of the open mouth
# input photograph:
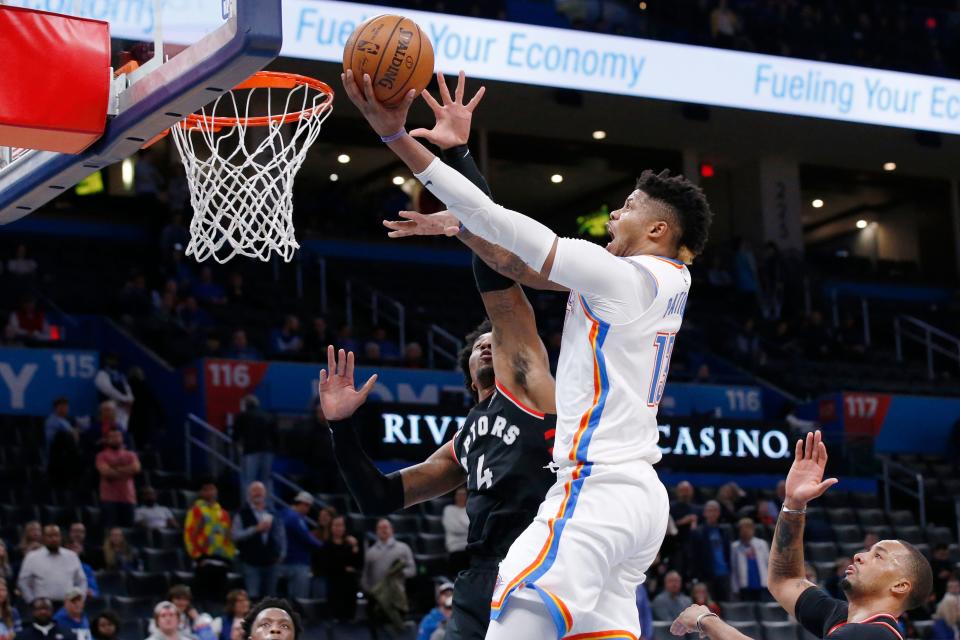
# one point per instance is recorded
(850, 569)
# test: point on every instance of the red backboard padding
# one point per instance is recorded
(55, 80)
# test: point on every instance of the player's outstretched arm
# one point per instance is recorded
(375, 492)
(785, 574)
(699, 619)
(520, 359)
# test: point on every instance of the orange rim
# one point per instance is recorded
(265, 80)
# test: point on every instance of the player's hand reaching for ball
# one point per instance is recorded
(453, 117)
(441, 223)
(384, 120)
(338, 397)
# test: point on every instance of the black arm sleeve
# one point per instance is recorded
(375, 492)
(460, 159)
(818, 612)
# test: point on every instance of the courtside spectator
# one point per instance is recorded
(166, 623)
(151, 515)
(317, 338)
(388, 348)
(437, 617)
(683, 510)
(64, 456)
(117, 467)
(325, 518)
(749, 557)
(338, 565)
(27, 324)
(206, 290)
(77, 538)
(387, 565)
(709, 551)
(700, 594)
(255, 434)
(6, 567)
(943, 569)
(72, 618)
(261, 542)
(20, 265)
(105, 626)
(118, 555)
(240, 348)
(455, 526)
(42, 626)
(31, 538)
(946, 618)
(182, 598)
(237, 606)
(10, 624)
(112, 384)
(286, 341)
(57, 422)
(412, 356)
(730, 496)
(301, 544)
(345, 339)
(671, 601)
(208, 540)
(50, 571)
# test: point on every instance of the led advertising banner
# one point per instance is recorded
(547, 56)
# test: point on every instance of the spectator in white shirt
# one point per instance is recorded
(151, 515)
(749, 557)
(51, 571)
(456, 525)
(112, 384)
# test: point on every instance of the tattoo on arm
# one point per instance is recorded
(504, 262)
(786, 557)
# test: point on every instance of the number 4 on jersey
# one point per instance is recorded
(484, 476)
(663, 345)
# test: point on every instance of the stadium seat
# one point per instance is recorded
(431, 564)
(661, 630)
(158, 560)
(824, 569)
(313, 610)
(939, 535)
(923, 548)
(62, 516)
(129, 607)
(357, 523)
(95, 605)
(909, 533)
(187, 498)
(871, 517)
(841, 515)
(405, 524)
(771, 612)
(168, 498)
(434, 507)
(850, 548)
(847, 533)
(821, 551)
(431, 543)
(779, 630)
(865, 500)
(111, 583)
(166, 538)
(92, 517)
(19, 513)
(882, 531)
(132, 629)
(924, 628)
(140, 583)
(433, 524)
(901, 518)
(749, 629)
(738, 611)
(136, 536)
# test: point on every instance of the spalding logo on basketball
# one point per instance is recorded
(396, 54)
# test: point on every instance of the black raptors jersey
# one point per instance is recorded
(506, 450)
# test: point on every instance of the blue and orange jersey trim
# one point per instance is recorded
(601, 386)
(674, 263)
(548, 553)
(558, 610)
(612, 634)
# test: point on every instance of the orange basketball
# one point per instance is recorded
(395, 52)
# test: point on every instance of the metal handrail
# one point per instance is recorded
(921, 332)
(435, 332)
(228, 461)
(888, 482)
(376, 303)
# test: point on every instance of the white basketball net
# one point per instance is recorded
(241, 185)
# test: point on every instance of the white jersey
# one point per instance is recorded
(611, 376)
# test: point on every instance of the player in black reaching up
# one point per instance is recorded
(504, 449)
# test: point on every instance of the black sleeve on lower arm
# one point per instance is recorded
(488, 279)
(375, 492)
(460, 159)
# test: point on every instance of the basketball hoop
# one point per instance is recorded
(241, 189)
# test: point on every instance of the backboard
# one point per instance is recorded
(208, 47)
